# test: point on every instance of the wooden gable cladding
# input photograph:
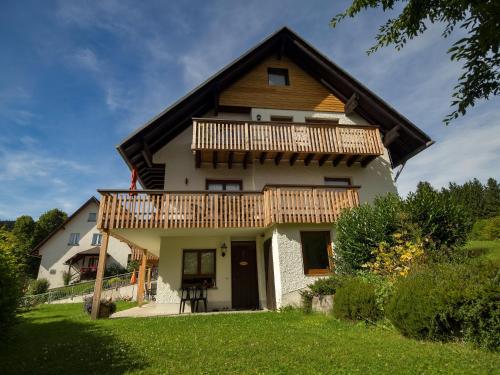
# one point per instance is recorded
(304, 92)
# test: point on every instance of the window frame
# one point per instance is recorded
(99, 243)
(278, 72)
(199, 275)
(209, 181)
(75, 243)
(329, 250)
(95, 217)
(344, 179)
(281, 118)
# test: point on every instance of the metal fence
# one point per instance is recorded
(75, 290)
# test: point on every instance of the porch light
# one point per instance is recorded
(223, 249)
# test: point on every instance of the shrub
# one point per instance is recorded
(107, 307)
(66, 276)
(486, 229)
(133, 265)
(114, 269)
(10, 281)
(447, 301)
(356, 300)
(443, 223)
(321, 287)
(361, 229)
(39, 286)
(397, 259)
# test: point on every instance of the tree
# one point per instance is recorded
(24, 229)
(47, 223)
(11, 280)
(479, 50)
(492, 198)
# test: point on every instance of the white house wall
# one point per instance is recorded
(56, 250)
(170, 268)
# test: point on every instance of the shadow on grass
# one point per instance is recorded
(66, 346)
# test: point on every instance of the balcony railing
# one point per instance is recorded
(155, 209)
(292, 141)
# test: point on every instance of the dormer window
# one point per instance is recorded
(278, 77)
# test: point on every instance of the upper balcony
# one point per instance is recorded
(241, 142)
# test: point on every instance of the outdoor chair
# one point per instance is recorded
(201, 294)
(187, 294)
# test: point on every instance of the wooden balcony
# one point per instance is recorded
(242, 142)
(156, 209)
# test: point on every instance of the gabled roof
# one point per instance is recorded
(138, 148)
(74, 214)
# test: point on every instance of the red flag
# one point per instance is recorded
(133, 180)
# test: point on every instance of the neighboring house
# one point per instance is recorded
(74, 247)
(246, 175)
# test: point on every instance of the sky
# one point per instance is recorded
(76, 77)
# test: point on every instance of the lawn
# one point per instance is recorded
(486, 249)
(62, 339)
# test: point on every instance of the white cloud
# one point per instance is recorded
(87, 59)
(465, 152)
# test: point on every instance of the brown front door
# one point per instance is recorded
(269, 271)
(245, 293)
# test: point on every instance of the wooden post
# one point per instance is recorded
(149, 278)
(101, 266)
(142, 278)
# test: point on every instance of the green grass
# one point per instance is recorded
(485, 249)
(62, 339)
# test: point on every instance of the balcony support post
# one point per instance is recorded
(245, 159)
(337, 160)
(278, 158)
(293, 158)
(142, 278)
(308, 159)
(262, 157)
(230, 159)
(101, 266)
(323, 159)
(352, 160)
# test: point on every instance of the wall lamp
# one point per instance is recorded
(223, 249)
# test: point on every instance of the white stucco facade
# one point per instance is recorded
(286, 248)
(56, 250)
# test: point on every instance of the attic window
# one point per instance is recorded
(278, 77)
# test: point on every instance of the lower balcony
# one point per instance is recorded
(158, 209)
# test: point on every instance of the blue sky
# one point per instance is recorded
(77, 76)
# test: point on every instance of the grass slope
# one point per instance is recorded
(61, 339)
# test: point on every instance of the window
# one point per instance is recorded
(325, 121)
(92, 261)
(74, 239)
(316, 252)
(277, 77)
(339, 182)
(198, 267)
(92, 216)
(96, 239)
(224, 185)
(282, 118)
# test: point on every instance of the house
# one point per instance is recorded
(74, 247)
(245, 176)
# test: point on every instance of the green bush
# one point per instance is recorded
(356, 300)
(448, 301)
(38, 286)
(321, 287)
(114, 269)
(442, 222)
(66, 276)
(133, 265)
(363, 228)
(10, 281)
(486, 229)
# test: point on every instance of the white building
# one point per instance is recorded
(74, 247)
(246, 175)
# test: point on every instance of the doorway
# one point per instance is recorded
(245, 289)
